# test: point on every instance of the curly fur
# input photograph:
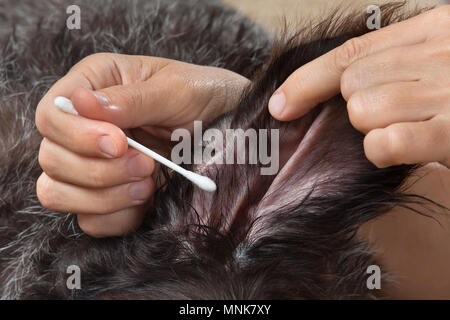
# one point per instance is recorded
(258, 237)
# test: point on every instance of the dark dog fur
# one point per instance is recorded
(291, 235)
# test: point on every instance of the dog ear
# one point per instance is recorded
(323, 170)
(320, 156)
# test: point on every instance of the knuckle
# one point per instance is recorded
(356, 111)
(44, 158)
(350, 51)
(348, 83)
(45, 192)
(389, 98)
(145, 67)
(47, 161)
(133, 98)
(41, 120)
(88, 225)
(93, 58)
(137, 97)
(370, 148)
(96, 176)
(397, 142)
(84, 66)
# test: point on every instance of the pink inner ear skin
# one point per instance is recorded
(239, 176)
(295, 178)
(293, 164)
(297, 141)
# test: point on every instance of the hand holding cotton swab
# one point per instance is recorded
(202, 182)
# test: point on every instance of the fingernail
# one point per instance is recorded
(107, 146)
(139, 166)
(102, 99)
(140, 191)
(277, 103)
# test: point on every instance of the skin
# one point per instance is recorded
(402, 72)
(86, 157)
(396, 82)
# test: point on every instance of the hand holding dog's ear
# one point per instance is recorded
(159, 92)
(88, 167)
(396, 81)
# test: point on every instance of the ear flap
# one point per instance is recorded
(329, 177)
(323, 170)
(321, 157)
(321, 161)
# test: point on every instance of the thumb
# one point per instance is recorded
(128, 106)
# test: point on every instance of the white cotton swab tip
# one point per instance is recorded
(202, 182)
(65, 105)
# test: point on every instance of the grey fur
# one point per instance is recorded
(36, 50)
(258, 237)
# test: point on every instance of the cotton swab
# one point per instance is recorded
(202, 182)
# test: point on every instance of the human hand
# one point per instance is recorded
(88, 168)
(396, 82)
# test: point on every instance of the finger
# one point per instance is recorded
(101, 70)
(409, 143)
(93, 72)
(166, 99)
(112, 225)
(64, 197)
(394, 65)
(381, 106)
(386, 67)
(131, 106)
(66, 166)
(127, 106)
(91, 138)
(78, 134)
(319, 80)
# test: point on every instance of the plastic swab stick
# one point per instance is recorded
(202, 182)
